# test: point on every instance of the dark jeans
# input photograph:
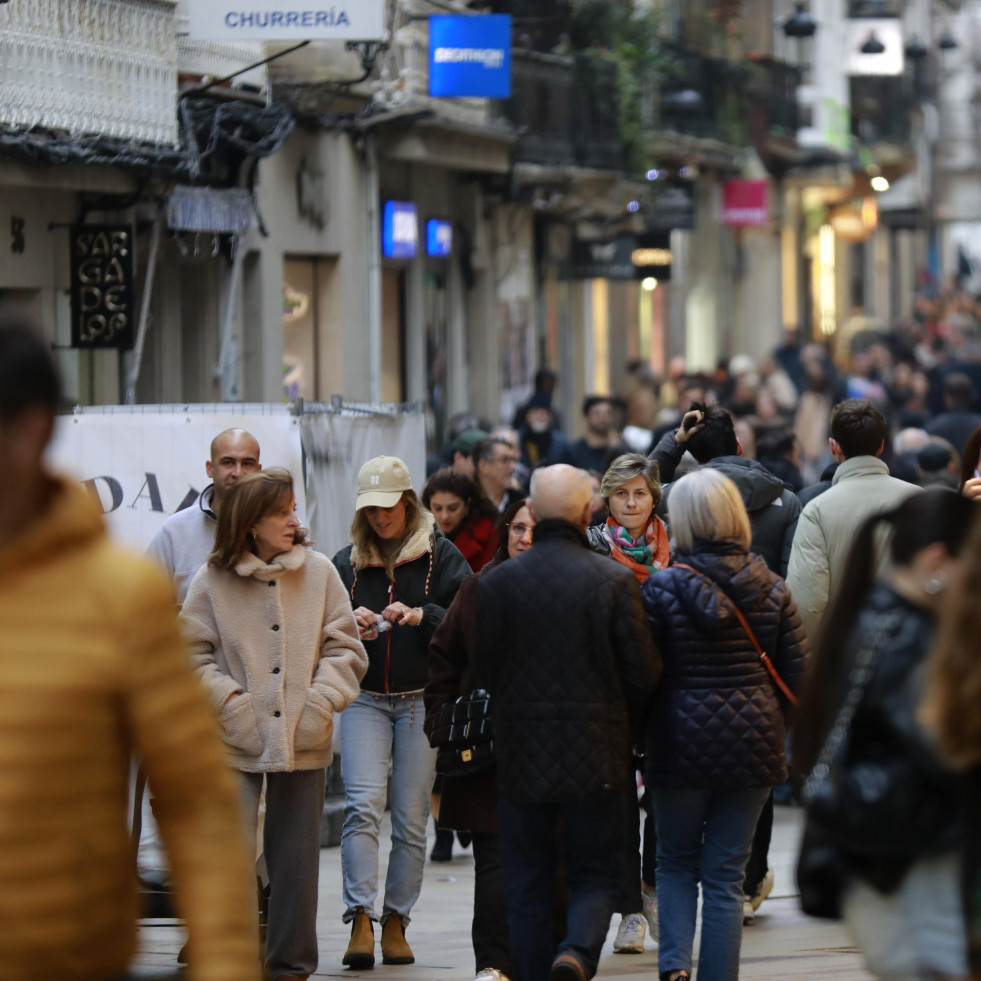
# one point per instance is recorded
(594, 857)
(489, 931)
(760, 855)
(648, 859)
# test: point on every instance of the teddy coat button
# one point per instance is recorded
(275, 670)
(275, 626)
(272, 582)
(277, 713)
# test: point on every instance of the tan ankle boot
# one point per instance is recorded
(395, 950)
(360, 952)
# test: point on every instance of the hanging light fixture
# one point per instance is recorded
(872, 45)
(947, 41)
(800, 23)
(915, 49)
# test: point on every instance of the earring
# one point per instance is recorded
(935, 584)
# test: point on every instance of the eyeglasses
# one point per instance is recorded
(506, 459)
(519, 530)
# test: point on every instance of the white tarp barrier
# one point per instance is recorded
(145, 462)
(336, 445)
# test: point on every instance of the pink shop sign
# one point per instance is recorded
(746, 203)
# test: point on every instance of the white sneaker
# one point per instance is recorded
(763, 890)
(649, 899)
(749, 914)
(491, 974)
(630, 936)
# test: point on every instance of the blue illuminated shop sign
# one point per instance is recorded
(470, 56)
(400, 230)
(439, 238)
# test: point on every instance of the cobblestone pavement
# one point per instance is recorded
(782, 943)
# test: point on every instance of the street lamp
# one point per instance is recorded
(872, 45)
(947, 41)
(800, 25)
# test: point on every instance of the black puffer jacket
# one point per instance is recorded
(716, 721)
(773, 509)
(564, 649)
(428, 572)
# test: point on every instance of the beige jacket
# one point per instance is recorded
(94, 670)
(826, 530)
(282, 637)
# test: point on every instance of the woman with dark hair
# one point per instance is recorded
(401, 578)
(950, 712)
(470, 803)
(464, 515)
(898, 853)
(970, 477)
(274, 641)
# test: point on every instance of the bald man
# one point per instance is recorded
(185, 540)
(565, 650)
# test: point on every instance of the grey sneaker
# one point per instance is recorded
(491, 974)
(630, 936)
(749, 914)
(649, 899)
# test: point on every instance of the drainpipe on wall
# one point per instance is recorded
(373, 280)
(136, 359)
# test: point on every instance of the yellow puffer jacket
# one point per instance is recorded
(92, 667)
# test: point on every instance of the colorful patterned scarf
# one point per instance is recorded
(641, 555)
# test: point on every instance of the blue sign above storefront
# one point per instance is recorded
(470, 56)
(439, 238)
(400, 230)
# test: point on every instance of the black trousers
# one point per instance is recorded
(489, 931)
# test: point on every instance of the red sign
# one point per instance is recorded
(746, 203)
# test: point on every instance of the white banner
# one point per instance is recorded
(337, 446)
(145, 462)
(287, 20)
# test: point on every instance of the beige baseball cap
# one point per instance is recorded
(381, 482)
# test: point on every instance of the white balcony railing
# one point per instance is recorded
(105, 67)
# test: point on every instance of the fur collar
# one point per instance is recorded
(252, 565)
(418, 544)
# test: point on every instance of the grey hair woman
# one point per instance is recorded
(717, 727)
(633, 534)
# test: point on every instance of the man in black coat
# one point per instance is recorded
(565, 651)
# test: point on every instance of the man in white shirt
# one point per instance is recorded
(186, 538)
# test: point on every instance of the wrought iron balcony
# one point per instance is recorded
(105, 67)
(881, 107)
(565, 110)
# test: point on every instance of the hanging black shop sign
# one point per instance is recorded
(102, 286)
(626, 257)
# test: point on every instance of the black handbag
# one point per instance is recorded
(820, 874)
(464, 736)
(868, 795)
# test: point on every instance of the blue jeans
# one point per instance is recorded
(594, 858)
(374, 730)
(703, 836)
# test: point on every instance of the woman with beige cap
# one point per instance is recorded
(401, 578)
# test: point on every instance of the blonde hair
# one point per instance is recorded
(366, 542)
(625, 468)
(706, 505)
(248, 500)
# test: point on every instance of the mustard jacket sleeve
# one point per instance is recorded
(196, 806)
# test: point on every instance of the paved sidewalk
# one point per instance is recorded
(782, 943)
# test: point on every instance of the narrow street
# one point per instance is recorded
(782, 943)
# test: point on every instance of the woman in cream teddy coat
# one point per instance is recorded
(274, 640)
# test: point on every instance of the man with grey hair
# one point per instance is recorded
(567, 655)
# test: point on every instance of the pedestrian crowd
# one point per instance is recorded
(597, 661)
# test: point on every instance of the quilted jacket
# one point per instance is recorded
(716, 721)
(565, 651)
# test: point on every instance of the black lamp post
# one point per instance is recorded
(800, 25)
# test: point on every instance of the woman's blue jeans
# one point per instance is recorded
(703, 836)
(376, 729)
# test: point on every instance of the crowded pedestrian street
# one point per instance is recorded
(782, 943)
